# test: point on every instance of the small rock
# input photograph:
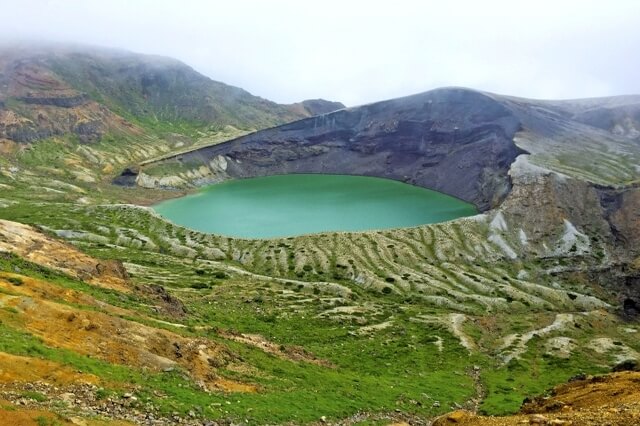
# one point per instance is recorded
(323, 419)
(127, 395)
(577, 377)
(88, 325)
(537, 419)
(68, 398)
(436, 404)
(627, 365)
(457, 416)
(559, 422)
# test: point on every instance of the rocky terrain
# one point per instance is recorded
(585, 400)
(120, 317)
(420, 139)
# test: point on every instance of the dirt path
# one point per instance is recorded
(455, 324)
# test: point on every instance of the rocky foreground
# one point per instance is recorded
(612, 399)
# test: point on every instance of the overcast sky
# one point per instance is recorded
(363, 51)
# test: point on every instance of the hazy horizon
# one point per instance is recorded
(361, 52)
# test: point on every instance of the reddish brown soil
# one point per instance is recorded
(34, 306)
(612, 399)
(32, 245)
(15, 368)
(19, 416)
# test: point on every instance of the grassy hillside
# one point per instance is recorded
(155, 93)
(315, 339)
(116, 316)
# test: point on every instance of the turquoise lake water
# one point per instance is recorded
(296, 204)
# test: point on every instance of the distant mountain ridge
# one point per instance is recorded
(48, 90)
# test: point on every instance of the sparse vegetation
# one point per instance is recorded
(15, 280)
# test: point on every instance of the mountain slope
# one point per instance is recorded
(619, 114)
(48, 90)
(83, 113)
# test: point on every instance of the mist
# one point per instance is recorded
(362, 51)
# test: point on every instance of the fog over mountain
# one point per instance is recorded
(362, 51)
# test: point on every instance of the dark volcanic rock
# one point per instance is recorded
(88, 131)
(457, 141)
(622, 212)
(24, 134)
(127, 177)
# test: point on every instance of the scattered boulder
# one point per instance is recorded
(166, 302)
(127, 177)
(627, 365)
(538, 419)
(455, 417)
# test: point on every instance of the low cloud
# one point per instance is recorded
(362, 51)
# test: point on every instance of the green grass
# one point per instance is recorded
(15, 281)
(297, 391)
(290, 391)
(395, 368)
(508, 387)
(36, 396)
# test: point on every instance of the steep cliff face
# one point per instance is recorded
(454, 140)
(458, 141)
